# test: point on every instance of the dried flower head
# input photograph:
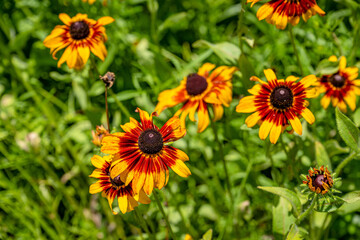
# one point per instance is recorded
(108, 79)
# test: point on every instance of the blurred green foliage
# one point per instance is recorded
(47, 114)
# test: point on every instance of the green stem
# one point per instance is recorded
(307, 211)
(240, 23)
(143, 223)
(295, 50)
(222, 156)
(107, 109)
(344, 163)
(156, 196)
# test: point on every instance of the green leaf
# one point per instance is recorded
(328, 204)
(321, 155)
(326, 67)
(347, 130)
(352, 203)
(226, 51)
(288, 195)
(296, 233)
(80, 95)
(208, 235)
(282, 217)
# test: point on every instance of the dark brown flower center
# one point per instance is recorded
(337, 80)
(319, 180)
(116, 181)
(195, 84)
(79, 30)
(282, 97)
(150, 141)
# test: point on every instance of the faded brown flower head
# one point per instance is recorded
(98, 135)
(108, 79)
(319, 180)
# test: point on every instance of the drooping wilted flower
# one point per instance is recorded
(209, 85)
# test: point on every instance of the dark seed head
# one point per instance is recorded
(281, 97)
(116, 181)
(337, 80)
(319, 180)
(150, 141)
(195, 84)
(79, 30)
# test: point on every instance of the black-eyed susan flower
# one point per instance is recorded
(319, 180)
(196, 91)
(79, 36)
(98, 135)
(113, 187)
(341, 87)
(282, 12)
(141, 153)
(278, 103)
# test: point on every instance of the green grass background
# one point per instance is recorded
(47, 114)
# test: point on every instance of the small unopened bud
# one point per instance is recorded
(100, 133)
(108, 79)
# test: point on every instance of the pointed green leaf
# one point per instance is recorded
(347, 130)
(321, 155)
(288, 195)
(207, 235)
(296, 233)
(226, 51)
(282, 217)
(352, 203)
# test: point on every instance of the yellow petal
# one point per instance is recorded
(265, 129)
(65, 18)
(308, 116)
(270, 75)
(123, 203)
(296, 125)
(275, 133)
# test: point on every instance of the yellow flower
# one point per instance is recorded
(196, 91)
(341, 87)
(112, 187)
(142, 154)
(282, 12)
(79, 36)
(278, 104)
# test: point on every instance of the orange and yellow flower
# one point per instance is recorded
(282, 12)
(208, 85)
(341, 87)
(112, 187)
(319, 180)
(141, 153)
(79, 36)
(278, 104)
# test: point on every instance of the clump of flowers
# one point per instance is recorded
(319, 181)
(79, 36)
(113, 187)
(282, 12)
(341, 87)
(277, 104)
(209, 85)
